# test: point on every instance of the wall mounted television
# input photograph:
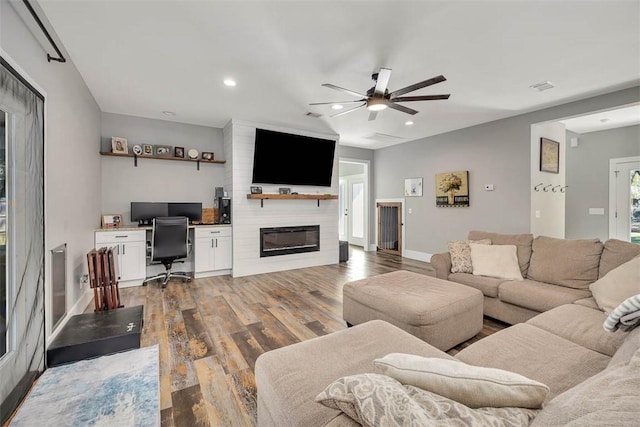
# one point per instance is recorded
(284, 158)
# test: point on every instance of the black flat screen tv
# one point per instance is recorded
(284, 158)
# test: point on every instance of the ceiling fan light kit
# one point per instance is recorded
(379, 98)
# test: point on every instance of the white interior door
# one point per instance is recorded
(624, 199)
(343, 212)
(355, 219)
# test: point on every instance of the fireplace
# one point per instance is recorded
(289, 240)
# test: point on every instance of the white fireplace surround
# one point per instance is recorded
(248, 217)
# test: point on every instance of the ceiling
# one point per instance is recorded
(141, 58)
(603, 120)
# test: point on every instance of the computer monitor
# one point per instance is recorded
(144, 212)
(193, 211)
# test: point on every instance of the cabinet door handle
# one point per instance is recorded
(124, 251)
(215, 232)
(120, 237)
(216, 243)
(211, 242)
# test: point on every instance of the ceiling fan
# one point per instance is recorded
(378, 97)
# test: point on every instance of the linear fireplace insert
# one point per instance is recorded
(289, 240)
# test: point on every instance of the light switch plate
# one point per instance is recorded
(596, 211)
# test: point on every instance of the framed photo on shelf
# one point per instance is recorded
(111, 221)
(549, 156)
(119, 145)
(178, 152)
(206, 155)
(163, 150)
(256, 189)
(147, 150)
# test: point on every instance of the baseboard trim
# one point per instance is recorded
(78, 308)
(418, 256)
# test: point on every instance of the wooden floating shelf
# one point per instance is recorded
(318, 197)
(179, 159)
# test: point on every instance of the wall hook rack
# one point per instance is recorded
(562, 190)
(558, 187)
(546, 188)
(537, 187)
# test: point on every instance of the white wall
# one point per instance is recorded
(157, 180)
(248, 217)
(72, 162)
(547, 207)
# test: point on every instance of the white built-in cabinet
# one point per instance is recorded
(212, 253)
(130, 253)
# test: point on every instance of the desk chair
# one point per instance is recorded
(169, 243)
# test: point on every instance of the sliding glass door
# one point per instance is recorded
(21, 237)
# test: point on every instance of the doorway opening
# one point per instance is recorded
(390, 227)
(353, 202)
(624, 199)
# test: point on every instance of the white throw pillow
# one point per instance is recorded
(499, 261)
(470, 385)
(461, 254)
(617, 285)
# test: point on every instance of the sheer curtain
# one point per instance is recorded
(22, 239)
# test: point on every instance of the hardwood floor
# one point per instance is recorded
(211, 331)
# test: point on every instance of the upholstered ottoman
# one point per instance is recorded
(440, 312)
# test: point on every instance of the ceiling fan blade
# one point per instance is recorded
(401, 108)
(419, 98)
(382, 81)
(417, 86)
(372, 115)
(347, 111)
(337, 102)
(341, 89)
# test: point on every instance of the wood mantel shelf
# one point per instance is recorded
(180, 159)
(318, 197)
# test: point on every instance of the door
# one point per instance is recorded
(390, 227)
(343, 212)
(133, 264)
(222, 255)
(351, 208)
(624, 194)
(203, 257)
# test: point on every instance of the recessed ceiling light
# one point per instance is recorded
(605, 120)
(408, 123)
(229, 82)
(168, 113)
(337, 107)
(542, 86)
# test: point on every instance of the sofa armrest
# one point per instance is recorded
(442, 263)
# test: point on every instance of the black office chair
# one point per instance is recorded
(169, 243)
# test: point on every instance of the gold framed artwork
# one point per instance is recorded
(452, 189)
(413, 187)
(549, 156)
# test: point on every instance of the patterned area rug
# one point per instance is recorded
(121, 389)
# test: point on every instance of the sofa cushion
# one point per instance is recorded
(538, 296)
(589, 302)
(499, 261)
(617, 285)
(536, 354)
(474, 386)
(461, 254)
(608, 398)
(280, 374)
(628, 348)
(488, 285)
(376, 400)
(564, 262)
(615, 253)
(580, 325)
(521, 241)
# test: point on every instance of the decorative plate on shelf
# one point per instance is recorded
(193, 153)
(137, 150)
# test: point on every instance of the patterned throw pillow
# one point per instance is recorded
(461, 254)
(379, 400)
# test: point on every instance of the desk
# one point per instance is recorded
(210, 254)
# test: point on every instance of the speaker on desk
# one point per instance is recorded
(224, 210)
(219, 192)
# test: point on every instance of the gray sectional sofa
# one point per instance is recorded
(559, 340)
(555, 272)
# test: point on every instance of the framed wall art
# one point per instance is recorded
(111, 221)
(549, 156)
(163, 150)
(119, 145)
(452, 189)
(413, 187)
(178, 152)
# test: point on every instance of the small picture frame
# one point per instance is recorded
(178, 152)
(206, 155)
(137, 149)
(111, 221)
(256, 189)
(119, 145)
(147, 150)
(413, 187)
(284, 190)
(549, 156)
(163, 150)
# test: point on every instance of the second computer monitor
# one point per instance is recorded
(193, 211)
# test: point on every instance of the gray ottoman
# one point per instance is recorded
(440, 312)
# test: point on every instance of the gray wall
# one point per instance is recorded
(495, 153)
(158, 180)
(72, 162)
(588, 178)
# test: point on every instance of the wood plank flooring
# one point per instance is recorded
(211, 331)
